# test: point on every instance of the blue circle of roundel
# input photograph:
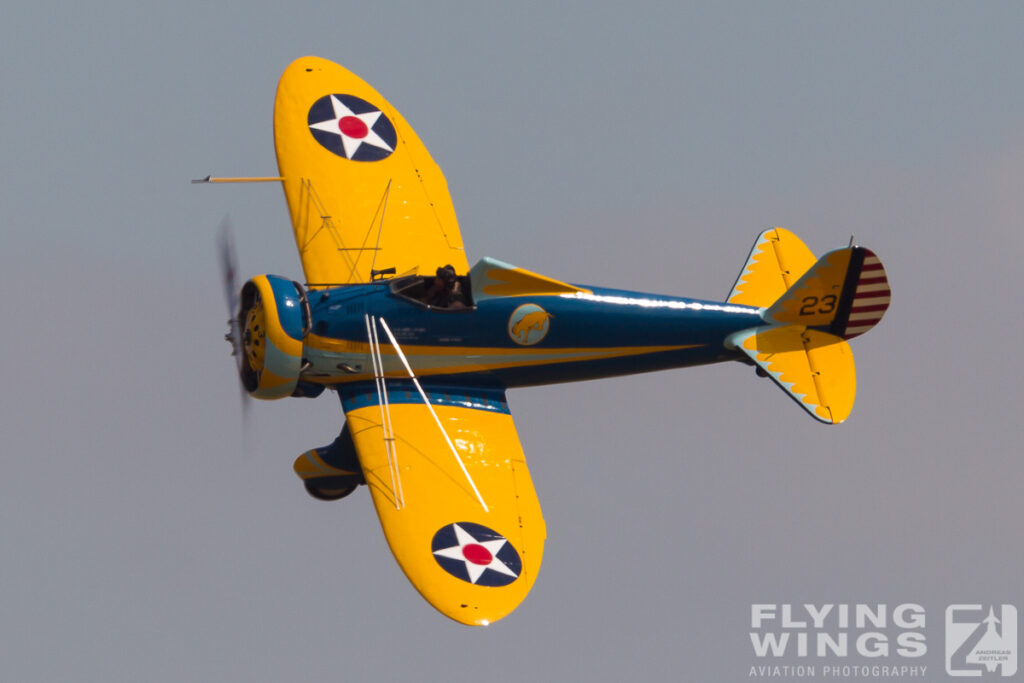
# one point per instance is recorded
(528, 324)
(352, 128)
(476, 554)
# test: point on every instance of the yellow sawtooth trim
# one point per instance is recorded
(776, 261)
(353, 216)
(434, 493)
(815, 368)
(521, 282)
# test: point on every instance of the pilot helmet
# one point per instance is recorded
(447, 274)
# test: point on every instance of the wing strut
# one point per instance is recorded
(212, 179)
(433, 414)
(380, 229)
(385, 414)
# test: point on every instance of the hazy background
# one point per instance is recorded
(142, 537)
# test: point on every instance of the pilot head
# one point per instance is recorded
(446, 275)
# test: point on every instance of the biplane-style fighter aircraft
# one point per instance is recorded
(421, 348)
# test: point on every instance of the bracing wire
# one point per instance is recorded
(385, 412)
(437, 420)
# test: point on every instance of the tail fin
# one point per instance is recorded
(802, 347)
(845, 293)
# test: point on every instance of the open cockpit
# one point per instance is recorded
(444, 291)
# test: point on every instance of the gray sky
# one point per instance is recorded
(142, 537)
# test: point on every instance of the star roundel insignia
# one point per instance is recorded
(352, 128)
(476, 554)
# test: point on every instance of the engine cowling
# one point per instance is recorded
(272, 318)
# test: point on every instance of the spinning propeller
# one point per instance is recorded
(228, 271)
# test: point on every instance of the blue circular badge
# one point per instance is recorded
(528, 324)
(476, 554)
(352, 128)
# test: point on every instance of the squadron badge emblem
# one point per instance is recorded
(528, 324)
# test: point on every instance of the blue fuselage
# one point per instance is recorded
(516, 341)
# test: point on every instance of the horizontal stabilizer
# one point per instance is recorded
(491, 278)
(776, 261)
(815, 368)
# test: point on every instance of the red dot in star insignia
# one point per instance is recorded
(353, 127)
(477, 554)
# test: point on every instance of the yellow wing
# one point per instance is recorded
(362, 189)
(457, 506)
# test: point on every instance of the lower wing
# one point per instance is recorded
(454, 496)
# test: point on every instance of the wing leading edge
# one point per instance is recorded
(457, 506)
(363, 192)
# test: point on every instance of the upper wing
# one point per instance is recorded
(362, 189)
(465, 526)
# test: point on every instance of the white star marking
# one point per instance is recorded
(476, 570)
(350, 143)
